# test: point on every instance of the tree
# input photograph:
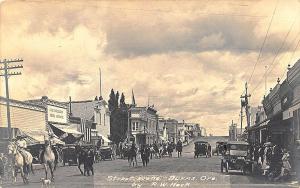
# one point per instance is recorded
(112, 101)
(117, 99)
(118, 117)
(122, 101)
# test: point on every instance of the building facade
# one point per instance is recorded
(28, 118)
(278, 122)
(143, 125)
(171, 126)
(95, 119)
(57, 119)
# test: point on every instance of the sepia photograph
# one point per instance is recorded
(150, 93)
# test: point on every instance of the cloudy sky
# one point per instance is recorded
(191, 59)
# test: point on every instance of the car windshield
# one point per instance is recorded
(239, 147)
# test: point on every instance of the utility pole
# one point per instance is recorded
(100, 84)
(245, 104)
(266, 68)
(6, 75)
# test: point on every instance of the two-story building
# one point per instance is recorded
(57, 119)
(171, 128)
(143, 124)
(95, 116)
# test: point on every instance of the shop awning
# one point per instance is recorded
(67, 129)
(104, 138)
(67, 134)
(39, 138)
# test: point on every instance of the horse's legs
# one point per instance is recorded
(135, 161)
(51, 166)
(22, 174)
(79, 163)
(46, 170)
(31, 168)
(15, 173)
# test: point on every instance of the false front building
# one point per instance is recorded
(143, 122)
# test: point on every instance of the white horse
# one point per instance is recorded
(21, 160)
(48, 158)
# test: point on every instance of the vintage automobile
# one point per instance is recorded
(202, 148)
(69, 155)
(236, 157)
(220, 147)
(105, 152)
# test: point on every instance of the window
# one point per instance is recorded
(135, 126)
(104, 119)
(100, 117)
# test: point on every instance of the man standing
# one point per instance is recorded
(179, 147)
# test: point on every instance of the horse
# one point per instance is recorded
(22, 161)
(80, 155)
(48, 160)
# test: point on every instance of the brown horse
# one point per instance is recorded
(48, 159)
(21, 160)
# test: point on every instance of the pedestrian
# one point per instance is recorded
(261, 154)
(256, 153)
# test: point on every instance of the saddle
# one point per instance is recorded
(25, 155)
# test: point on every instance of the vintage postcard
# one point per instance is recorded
(150, 93)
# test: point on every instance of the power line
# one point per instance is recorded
(277, 53)
(290, 61)
(264, 41)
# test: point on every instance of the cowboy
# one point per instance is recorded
(22, 146)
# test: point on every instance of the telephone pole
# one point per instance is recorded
(8, 66)
(245, 104)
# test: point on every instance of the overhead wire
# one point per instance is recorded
(263, 44)
(271, 66)
(292, 56)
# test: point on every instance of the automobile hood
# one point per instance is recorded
(238, 153)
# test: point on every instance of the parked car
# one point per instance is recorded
(236, 157)
(105, 152)
(202, 148)
(69, 155)
(220, 147)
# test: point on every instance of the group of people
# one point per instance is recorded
(148, 151)
(273, 160)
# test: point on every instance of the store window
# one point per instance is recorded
(135, 126)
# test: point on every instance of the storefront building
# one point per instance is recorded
(26, 118)
(57, 120)
(143, 125)
(95, 118)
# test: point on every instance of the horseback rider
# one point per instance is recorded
(22, 146)
(54, 149)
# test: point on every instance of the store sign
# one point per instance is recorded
(56, 114)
